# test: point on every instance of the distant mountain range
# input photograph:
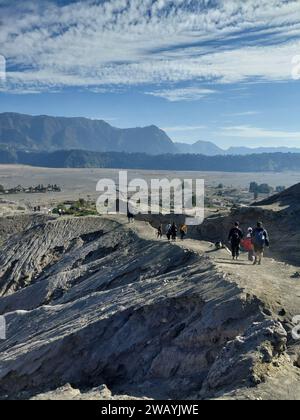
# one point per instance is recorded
(210, 149)
(200, 148)
(49, 134)
(43, 133)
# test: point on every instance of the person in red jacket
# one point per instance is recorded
(247, 244)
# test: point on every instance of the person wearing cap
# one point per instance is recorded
(235, 237)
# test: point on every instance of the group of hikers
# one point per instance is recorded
(255, 242)
(172, 231)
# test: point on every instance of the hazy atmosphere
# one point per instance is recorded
(149, 203)
(221, 71)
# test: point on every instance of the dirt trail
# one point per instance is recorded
(272, 282)
(98, 289)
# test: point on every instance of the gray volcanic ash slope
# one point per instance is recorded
(88, 301)
(10, 225)
(288, 198)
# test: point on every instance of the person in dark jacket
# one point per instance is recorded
(160, 231)
(174, 231)
(168, 231)
(235, 237)
(130, 217)
(260, 240)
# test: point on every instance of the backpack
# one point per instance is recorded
(174, 230)
(259, 237)
(236, 236)
(247, 244)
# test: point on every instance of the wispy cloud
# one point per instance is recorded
(103, 118)
(101, 44)
(184, 94)
(2, 69)
(242, 114)
(249, 132)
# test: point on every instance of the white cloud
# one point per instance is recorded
(104, 44)
(245, 131)
(184, 94)
(2, 69)
(242, 114)
(104, 118)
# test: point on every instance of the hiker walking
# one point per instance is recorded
(183, 231)
(174, 231)
(248, 245)
(168, 231)
(160, 231)
(235, 237)
(260, 240)
(130, 217)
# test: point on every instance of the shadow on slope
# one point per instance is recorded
(136, 314)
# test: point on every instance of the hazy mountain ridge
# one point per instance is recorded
(273, 162)
(211, 149)
(48, 134)
(44, 133)
(258, 150)
(200, 147)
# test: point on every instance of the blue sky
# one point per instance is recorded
(221, 70)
